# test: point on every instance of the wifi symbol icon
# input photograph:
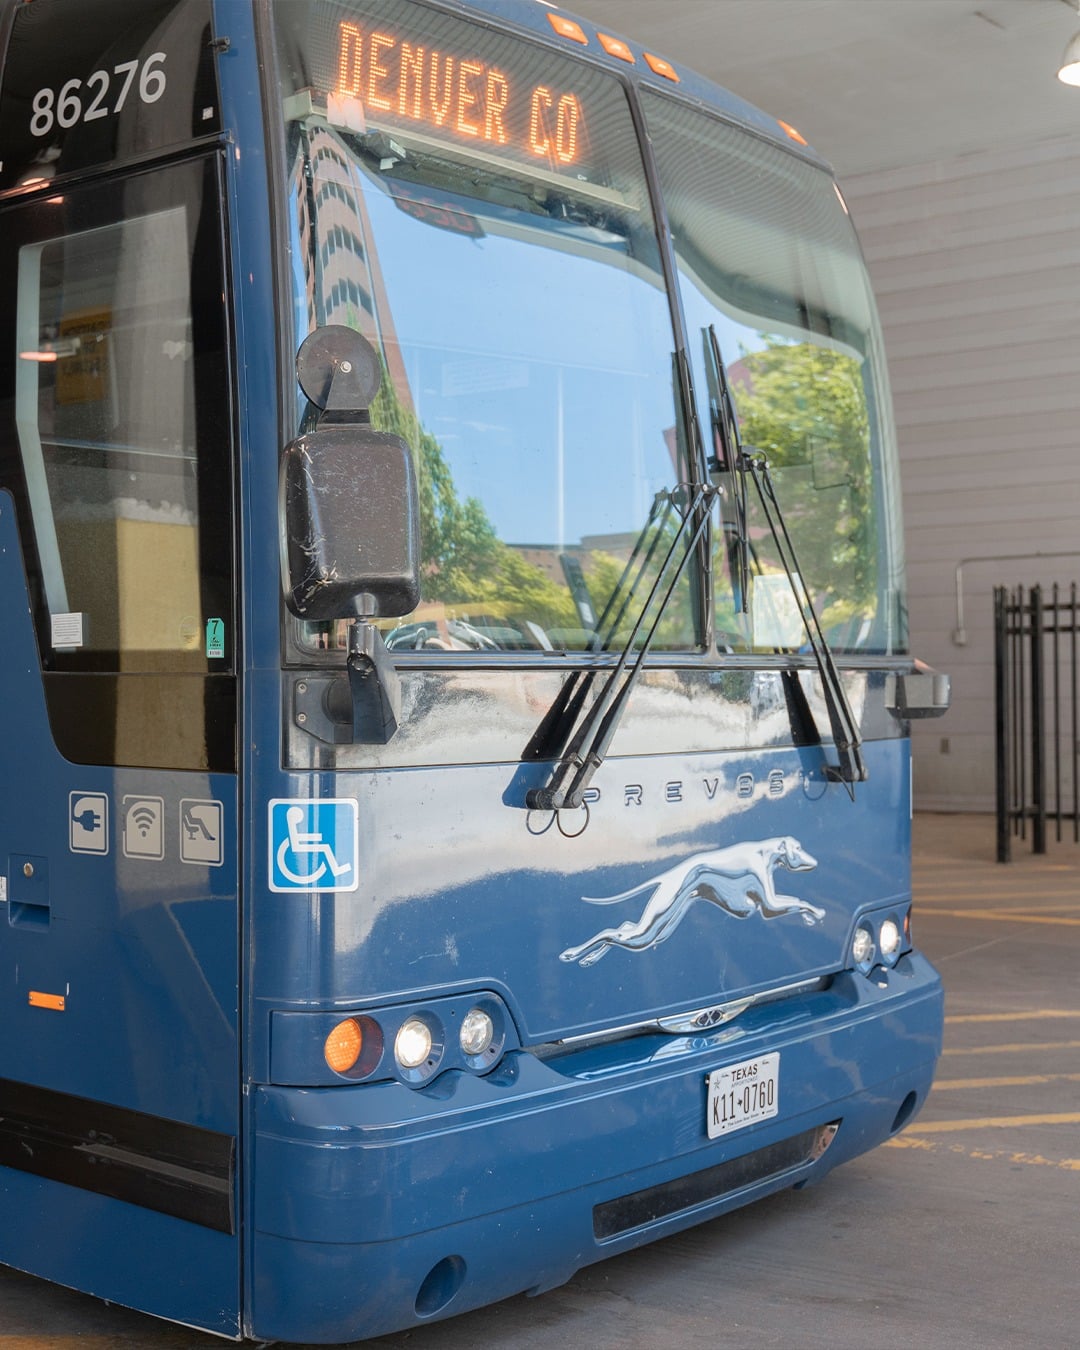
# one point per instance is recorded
(144, 835)
(144, 817)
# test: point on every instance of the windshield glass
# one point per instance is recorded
(768, 260)
(477, 207)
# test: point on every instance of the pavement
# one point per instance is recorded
(963, 1233)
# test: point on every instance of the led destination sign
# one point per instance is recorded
(447, 92)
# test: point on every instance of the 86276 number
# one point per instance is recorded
(79, 102)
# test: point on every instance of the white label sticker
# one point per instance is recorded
(144, 827)
(3, 889)
(67, 630)
(201, 832)
(88, 822)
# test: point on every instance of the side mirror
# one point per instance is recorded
(350, 520)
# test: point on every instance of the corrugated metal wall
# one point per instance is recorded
(976, 266)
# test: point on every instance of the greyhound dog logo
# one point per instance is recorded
(739, 879)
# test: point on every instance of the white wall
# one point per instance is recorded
(976, 266)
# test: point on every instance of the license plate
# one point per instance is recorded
(742, 1094)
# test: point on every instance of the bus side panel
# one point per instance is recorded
(118, 1105)
(120, 1252)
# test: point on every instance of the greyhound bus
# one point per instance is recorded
(456, 806)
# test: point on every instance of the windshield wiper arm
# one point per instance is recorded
(740, 462)
(589, 745)
(555, 727)
(725, 423)
(845, 729)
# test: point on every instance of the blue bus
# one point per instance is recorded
(456, 691)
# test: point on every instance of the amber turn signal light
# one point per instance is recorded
(343, 1045)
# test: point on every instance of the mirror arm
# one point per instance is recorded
(374, 684)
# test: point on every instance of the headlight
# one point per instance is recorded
(889, 940)
(413, 1044)
(477, 1032)
(862, 946)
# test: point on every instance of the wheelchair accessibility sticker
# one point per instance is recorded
(314, 844)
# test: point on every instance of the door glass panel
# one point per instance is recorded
(116, 444)
(116, 450)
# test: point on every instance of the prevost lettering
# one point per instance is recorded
(466, 96)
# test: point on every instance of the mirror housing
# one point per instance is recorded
(350, 521)
(351, 517)
(350, 510)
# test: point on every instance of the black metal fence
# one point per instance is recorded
(1037, 738)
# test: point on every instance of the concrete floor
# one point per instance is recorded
(963, 1233)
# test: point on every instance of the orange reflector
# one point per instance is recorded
(615, 47)
(40, 1000)
(662, 67)
(343, 1045)
(567, 28)
(796, 136)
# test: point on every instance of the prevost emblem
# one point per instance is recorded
(674, 791)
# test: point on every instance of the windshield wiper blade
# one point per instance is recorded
(725, 423)
(741, 462)
(589, 745)
(845, 729)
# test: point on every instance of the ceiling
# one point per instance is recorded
(874, 84)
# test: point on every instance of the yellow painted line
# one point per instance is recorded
(1032, 1015)
(162, 1340)
(1026, 911)
(993, 1123)
(75, 1340)
(1045, 907)
(1010, 1049)
(994, 916)
(985, 1154)
(948, 1084)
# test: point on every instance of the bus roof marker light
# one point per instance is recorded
(567, 28)
(616, 47)
(659, 66)
(791, 131)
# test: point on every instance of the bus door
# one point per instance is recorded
(118, 797)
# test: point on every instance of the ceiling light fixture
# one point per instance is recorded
(1070, 62)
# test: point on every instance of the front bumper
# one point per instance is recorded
(378, 1207)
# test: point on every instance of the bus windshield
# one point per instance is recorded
(770, 268)
(477, 207)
